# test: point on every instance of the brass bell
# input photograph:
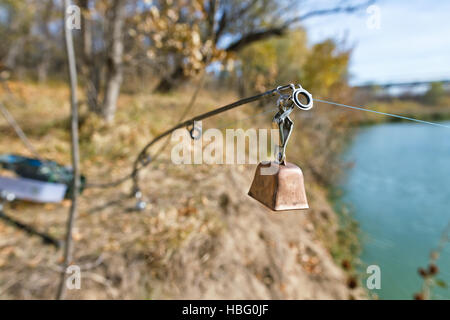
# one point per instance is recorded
(284, 190)
(279, 185)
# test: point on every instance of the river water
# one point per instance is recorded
(399, 192)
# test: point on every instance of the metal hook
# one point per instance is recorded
(285, 127)
(284, 98)
(286, 103)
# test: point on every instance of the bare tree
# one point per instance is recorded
(17, 32)
(90, 67)
(103, 69)
(114, 62)
(45, 40)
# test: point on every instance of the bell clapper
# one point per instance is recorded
(284, 189)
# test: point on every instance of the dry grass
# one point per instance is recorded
(200, 236)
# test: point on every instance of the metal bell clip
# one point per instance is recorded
(279, 185)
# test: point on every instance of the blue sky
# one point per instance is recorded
(413, 42)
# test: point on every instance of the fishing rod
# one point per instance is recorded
(293, 98)
(142, 160)
(195, 132)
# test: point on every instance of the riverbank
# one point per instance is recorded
(359, 121)
(201, 236)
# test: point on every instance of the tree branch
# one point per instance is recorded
(221, 26)
(255, 36)
(226, 16)
(211, 15)
(280, 30)
(323, 12)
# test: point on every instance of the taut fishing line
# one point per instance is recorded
(383, 113)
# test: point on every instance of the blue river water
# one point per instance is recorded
(399, 192)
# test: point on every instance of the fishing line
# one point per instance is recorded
(384, 113)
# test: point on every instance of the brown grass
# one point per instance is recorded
(200, 237)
